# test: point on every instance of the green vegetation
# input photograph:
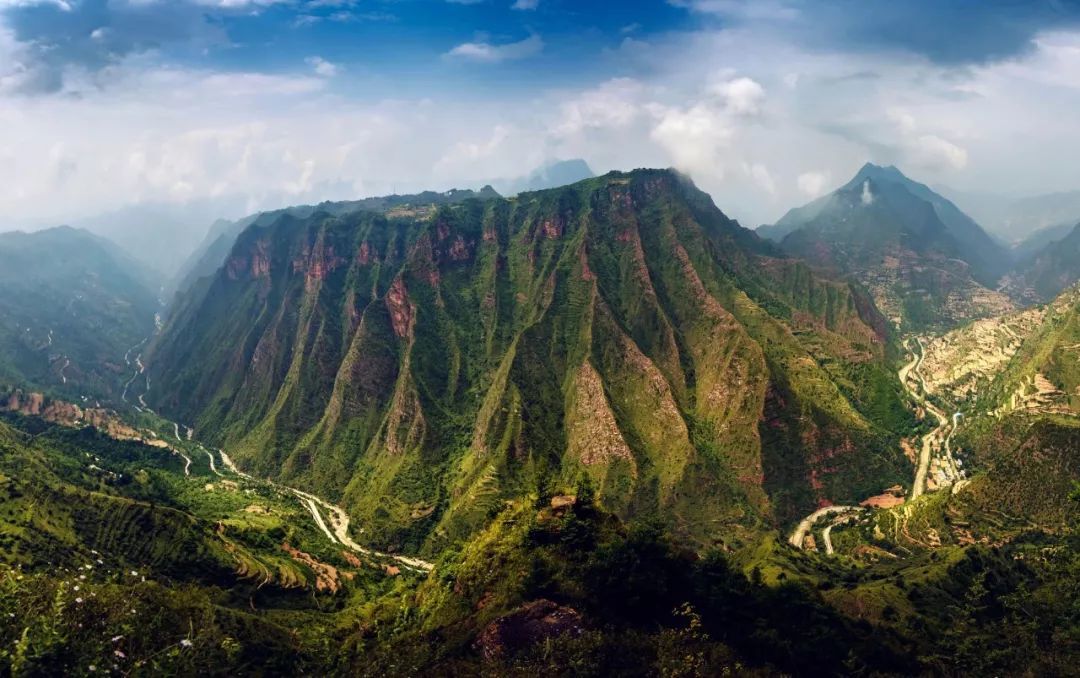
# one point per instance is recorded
(598, 410)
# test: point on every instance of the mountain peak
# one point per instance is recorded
(879, 173)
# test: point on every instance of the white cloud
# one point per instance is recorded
(762, 177)
(613, 105)
(322, 67)
(741, 9)
(928, 151)
(525, 4)
(487, 52)
(867, 196)
(742, 96)
(813, 184)
(62, 4)
(757, 136)
(933, 151)
(693, 137)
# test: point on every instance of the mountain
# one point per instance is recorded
(553, 175)
(1017, 219)
(594, 414)
(925, 261)
(123, 551)
(71, 305)
(1051, 268)
(1036, 242)
(141, 553)
(425, 367)
(215, 247)
(160, 236)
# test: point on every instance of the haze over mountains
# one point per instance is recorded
(1015, 220)
(546, 417)
(72, 304)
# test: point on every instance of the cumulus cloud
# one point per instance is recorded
(612, 105)
(762, 177)
(742, 96)
(923, 149)
(486, 52)
(694, 138)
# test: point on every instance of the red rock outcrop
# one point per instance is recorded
(526, 626)
(400, 307)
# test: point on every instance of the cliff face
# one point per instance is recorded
(619, 333)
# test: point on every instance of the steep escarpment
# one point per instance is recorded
(619, 336)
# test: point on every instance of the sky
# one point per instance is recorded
(108, 104)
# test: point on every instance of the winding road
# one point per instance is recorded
(918, 487)
(338, 529)
(797, 537)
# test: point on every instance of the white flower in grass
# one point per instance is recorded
(185, 643)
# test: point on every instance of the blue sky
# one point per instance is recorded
(262, 102)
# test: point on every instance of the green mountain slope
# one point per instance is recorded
(620, 333)
(925, 262)
(70, 307)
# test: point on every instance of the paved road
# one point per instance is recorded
(918, 487)
(806, 523)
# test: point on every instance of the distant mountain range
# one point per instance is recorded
(159, 235)
(71, 304)
(553, 175)
(1050, 263)
(1014, 220)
